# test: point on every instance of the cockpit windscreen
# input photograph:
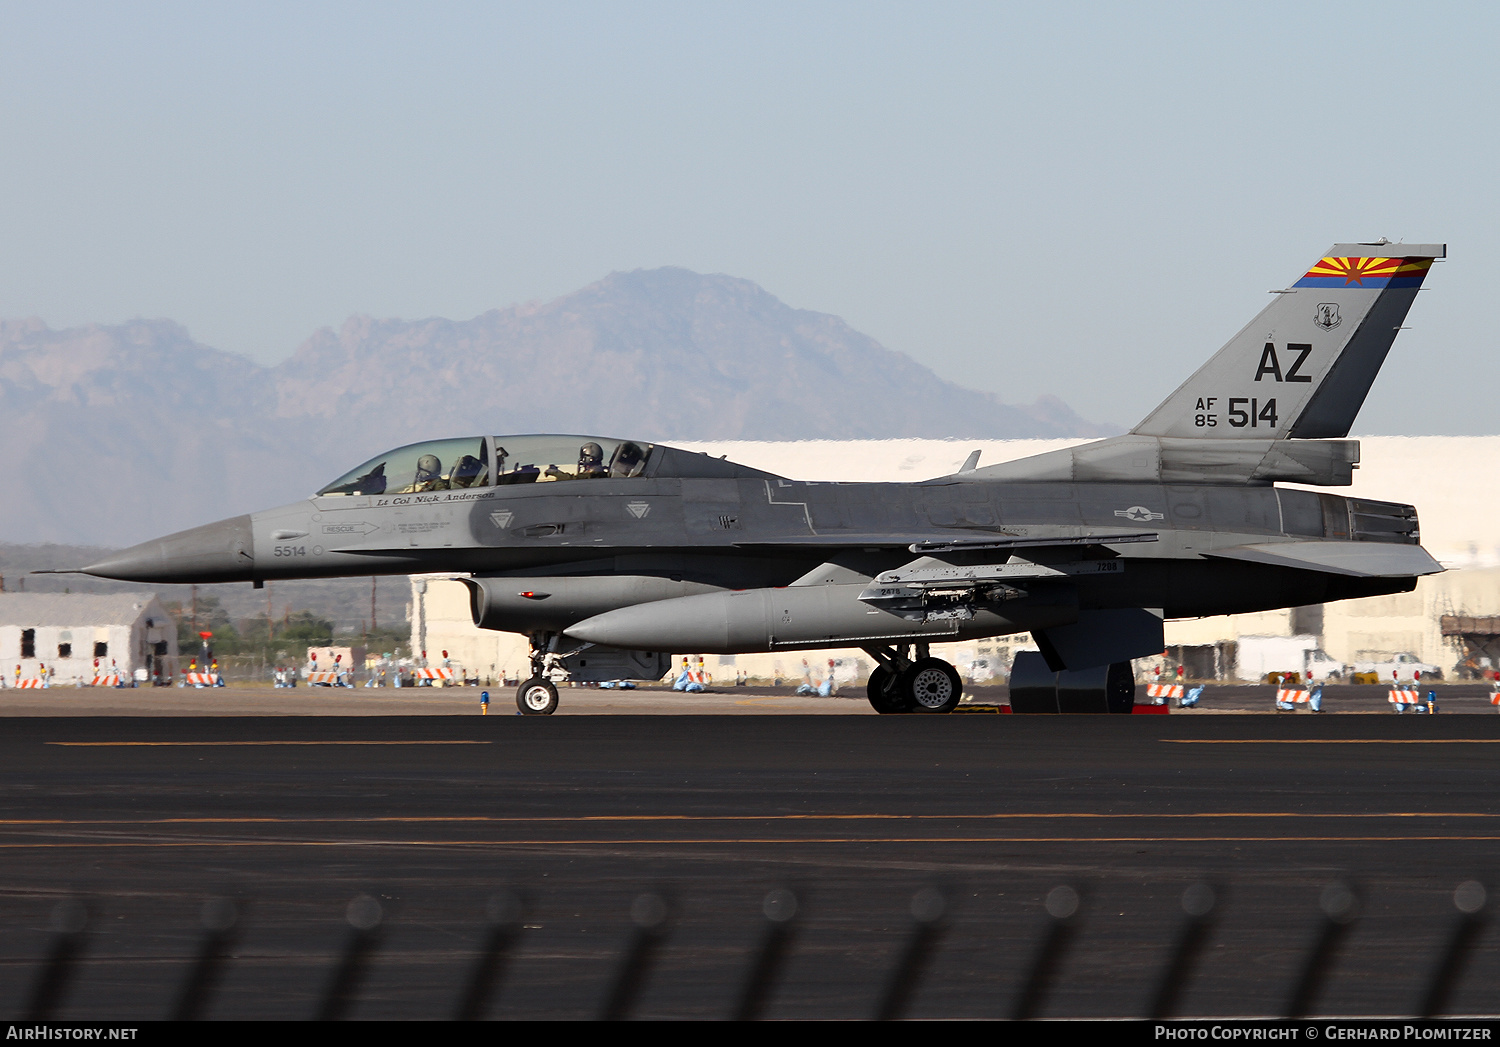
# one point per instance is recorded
(449, 465)
(539, 459)
(437, 465)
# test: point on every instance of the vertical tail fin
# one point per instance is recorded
(1302, 368)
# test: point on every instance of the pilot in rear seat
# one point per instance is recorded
(591, 462)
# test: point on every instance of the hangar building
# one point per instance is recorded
(66, 631)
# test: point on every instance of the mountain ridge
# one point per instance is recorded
(166, 432)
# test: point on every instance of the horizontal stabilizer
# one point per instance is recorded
(1356, 559)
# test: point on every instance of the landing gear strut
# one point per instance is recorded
(538, 695)
(882, 691)
(901, 684)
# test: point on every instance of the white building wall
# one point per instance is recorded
(450, 627)
(127, 644)
(1374, 629)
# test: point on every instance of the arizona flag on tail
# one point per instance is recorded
(1368, 273)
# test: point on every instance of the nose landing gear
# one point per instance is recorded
(538, 695)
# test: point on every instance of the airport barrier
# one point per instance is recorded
(106, 680)
(432, 674)
(1293, 696)
(201, 679)
(1403, 696)
(1164, 691)
(328, 676)
(648, 925)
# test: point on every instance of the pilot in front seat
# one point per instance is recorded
(429, 476)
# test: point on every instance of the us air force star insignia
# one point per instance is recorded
(1140, 514)
(501, 518)
(638, 509)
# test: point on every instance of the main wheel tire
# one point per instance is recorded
(931, 685)
(884, 695)
(537, 697)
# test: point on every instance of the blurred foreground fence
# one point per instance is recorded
(648, 926)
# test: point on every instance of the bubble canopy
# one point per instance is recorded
(491, 461)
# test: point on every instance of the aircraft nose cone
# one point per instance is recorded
(216, 552)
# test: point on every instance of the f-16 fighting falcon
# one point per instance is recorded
(587, 540)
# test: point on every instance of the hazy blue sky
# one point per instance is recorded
(1077, 199)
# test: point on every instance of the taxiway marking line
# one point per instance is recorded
(729, 840)
(1331, 741)
(127, 745)
(486, 819)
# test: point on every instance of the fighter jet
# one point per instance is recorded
(588, 542)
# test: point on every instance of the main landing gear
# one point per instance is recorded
(901, 684)
(538, 695)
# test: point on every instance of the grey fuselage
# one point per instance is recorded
(569, 551)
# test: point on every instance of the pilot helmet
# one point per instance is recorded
(590, 454)
(428, 467)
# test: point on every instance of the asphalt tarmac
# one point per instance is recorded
(646, 700)
(144, 817)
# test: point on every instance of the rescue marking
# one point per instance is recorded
(638, 509)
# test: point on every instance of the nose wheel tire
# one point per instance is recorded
(931, 685)
(537, 697)
(884, 693)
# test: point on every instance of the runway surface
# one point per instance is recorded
(145, 817)
(647, 700)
